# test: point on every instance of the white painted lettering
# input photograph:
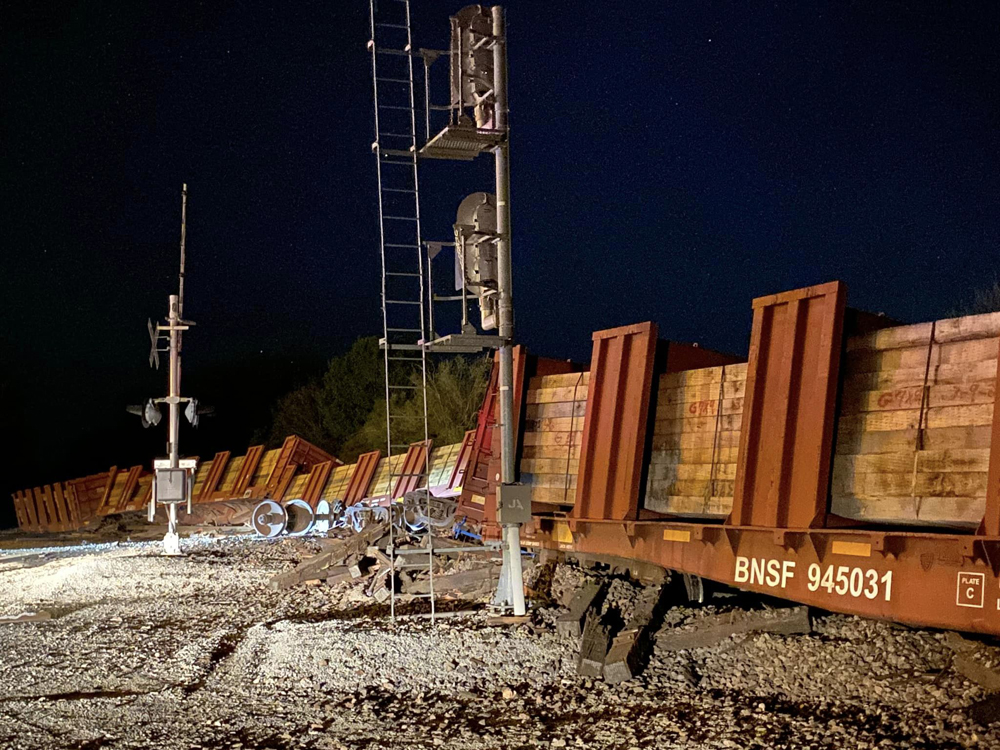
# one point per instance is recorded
(742, 570)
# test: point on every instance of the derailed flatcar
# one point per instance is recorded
(850, 464)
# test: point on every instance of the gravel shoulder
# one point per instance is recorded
(145, 651)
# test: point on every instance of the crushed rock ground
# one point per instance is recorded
(145, 651)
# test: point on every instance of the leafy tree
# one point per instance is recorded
(344, 411)
(329, 410)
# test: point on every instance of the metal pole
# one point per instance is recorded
(506, 302)
(171, 542)
(180, 288)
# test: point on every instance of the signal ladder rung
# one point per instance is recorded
(400, 302)
(394, 106)
(391, 51)
(404, 330)
(402, 387)
(401, 244)
(393, 80)
(401, 218)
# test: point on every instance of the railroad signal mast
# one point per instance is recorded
(173, 477)
(477, 123)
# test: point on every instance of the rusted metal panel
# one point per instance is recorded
(131, 482)
(296, 454)
(215, 473)
(364, 472)
(62, 512)
(315, 483)
(28, 503)
(789, 408)
(413, 470)
(20, 511)
(89, 492)
(926, 579)
(54, 522)
(276, 477)
(477, 479)
(75, 510)
(247, 470)
(614, 430)
(109, 485)
(62, 503)
(461, 462)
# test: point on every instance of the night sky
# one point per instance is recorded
(670, 162)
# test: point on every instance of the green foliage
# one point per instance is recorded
(329, 410)
(984, 300)
(344, 411)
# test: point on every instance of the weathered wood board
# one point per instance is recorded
(916, 410)
(696, 434)
(555, 411)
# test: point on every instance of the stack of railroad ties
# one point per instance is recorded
(848, 463)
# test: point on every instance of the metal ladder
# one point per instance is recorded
(404, 287)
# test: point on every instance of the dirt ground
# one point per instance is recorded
(144, 651)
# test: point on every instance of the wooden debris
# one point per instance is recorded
(623, 660)
(555, 413)
(474, 581)
(570, 624)
(316, 566)
(914, 429)
(966, 664)
(508, 620)
(593, 646)
(717, 628)
(696, 435)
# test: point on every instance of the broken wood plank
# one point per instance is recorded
(466, 582)
(717, 628)
(593, 646)
(918, 334)
(315, 566)
(624, 659)
(703, 376)
(570, 624)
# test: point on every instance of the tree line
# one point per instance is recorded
(343, 410)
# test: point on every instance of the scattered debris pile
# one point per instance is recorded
(362, 558)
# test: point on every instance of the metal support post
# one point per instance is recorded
(512, 532)
(171, 541)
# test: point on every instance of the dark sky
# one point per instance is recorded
(670, 161)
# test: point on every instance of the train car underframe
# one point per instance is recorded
(926, 579)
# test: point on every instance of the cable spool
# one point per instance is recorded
(300, 517)
(269, 519)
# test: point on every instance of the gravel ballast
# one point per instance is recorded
(145, 651)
